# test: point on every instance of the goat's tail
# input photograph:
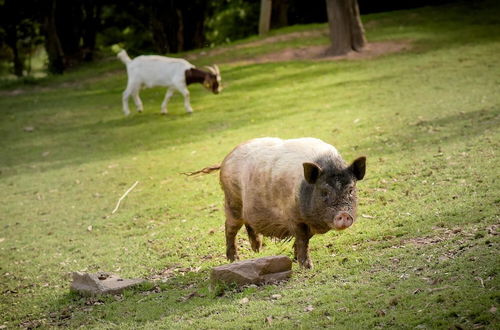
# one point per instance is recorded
(205, 170)
(123, 56)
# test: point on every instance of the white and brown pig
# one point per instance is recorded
(287, 188)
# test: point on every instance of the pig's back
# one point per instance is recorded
(276, 156)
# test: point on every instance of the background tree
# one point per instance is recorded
(279, 13)
(57, 63)
(346, 29)
(79, 30)
(19, 33)
(265, 16)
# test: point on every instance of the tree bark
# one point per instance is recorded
(52, 43)
(265, 16)
(180, 31)
(346, 29)
(279, 13)
(11, 40)
(92, 10)
(68, 23)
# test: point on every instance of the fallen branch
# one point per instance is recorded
(124, 195)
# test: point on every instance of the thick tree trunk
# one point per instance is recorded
(265, 16)
(346, 29)
(52, 43)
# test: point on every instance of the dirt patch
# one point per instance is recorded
(321, 53)
(257, 43)
(285, 37)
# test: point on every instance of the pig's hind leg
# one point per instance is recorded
(255, 239)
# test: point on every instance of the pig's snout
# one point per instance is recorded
(342, 221)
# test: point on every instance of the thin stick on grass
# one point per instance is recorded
(124, 195)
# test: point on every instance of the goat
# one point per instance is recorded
(174, 73)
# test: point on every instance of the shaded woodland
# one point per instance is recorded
(72, 32)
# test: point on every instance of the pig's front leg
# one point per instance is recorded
(301, 246)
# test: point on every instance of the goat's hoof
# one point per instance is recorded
(139, 110)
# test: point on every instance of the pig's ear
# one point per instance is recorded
(311, 172)
(358, 168)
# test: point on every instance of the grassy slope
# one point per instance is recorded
(427, 119)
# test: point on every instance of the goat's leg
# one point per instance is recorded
(169, 94)
(185, 92)
(126, 95)
(137, 101)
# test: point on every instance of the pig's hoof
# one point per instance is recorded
(256, 245)
(232, 257)
(307, 264)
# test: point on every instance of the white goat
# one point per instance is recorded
(174, 73)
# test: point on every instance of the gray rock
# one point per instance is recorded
(254, 271)
(100, 283)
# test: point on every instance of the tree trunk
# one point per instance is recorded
(164, 35)
(11, 40)
(265, 16)
(279, 13)
(180, 31)
(52, 43)
(91, 22)
(346, 29)
(192, 16)
(68, 21)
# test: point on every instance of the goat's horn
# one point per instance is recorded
(211, 69)
(216, 68)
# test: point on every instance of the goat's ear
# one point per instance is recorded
(312, 171)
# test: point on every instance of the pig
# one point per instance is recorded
(287, 189)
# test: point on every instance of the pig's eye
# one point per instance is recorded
(350, 191)
(324, 193)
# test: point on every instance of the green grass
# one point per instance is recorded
(425, 255)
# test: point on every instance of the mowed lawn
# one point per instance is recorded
(423, 252)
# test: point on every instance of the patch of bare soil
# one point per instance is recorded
(321, 53)
(265, 41)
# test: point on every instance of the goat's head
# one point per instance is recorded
(213, 79)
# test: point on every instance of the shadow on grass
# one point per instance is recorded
(435, 132)
(106, 139)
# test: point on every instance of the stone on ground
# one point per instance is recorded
(254, 271)
(100, 283)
